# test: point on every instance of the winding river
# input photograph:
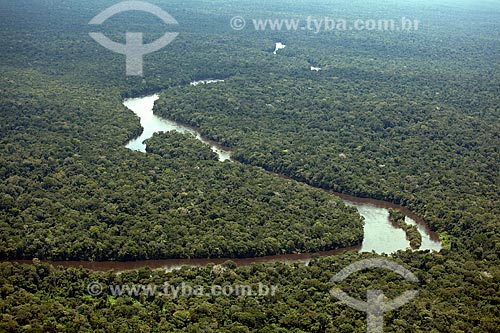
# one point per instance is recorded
(143, 108)
(380, 235)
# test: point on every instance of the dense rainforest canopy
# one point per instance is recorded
(406, 117)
